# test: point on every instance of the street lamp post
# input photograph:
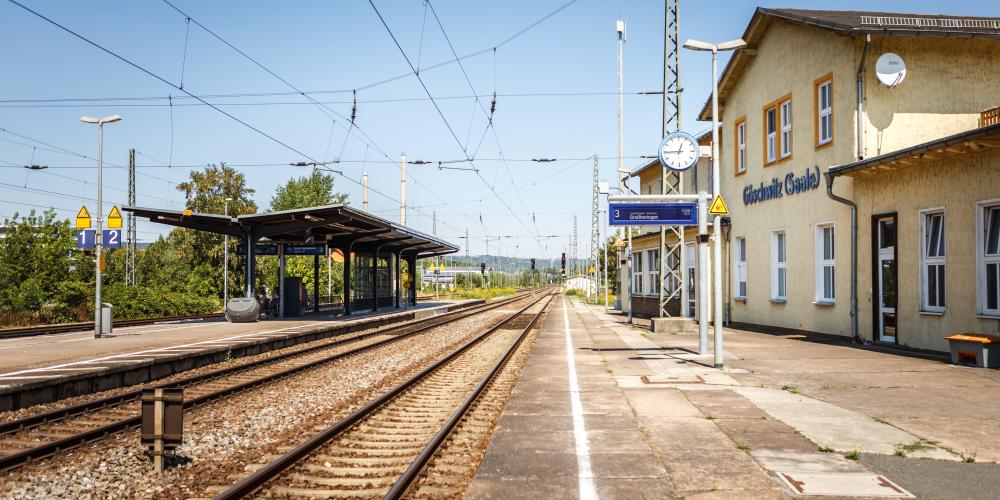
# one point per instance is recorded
(100, 216)
(716, 190)
(225, 261)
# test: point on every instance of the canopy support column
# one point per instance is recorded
(316, 284)
(375, 280)
(346, 250)
(412, 264)
(251, 263)
(396, 301)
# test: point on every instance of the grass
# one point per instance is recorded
(484, 293)
(903, 450)
(742, 446)
(853, 455)
(790, 388)
(709, 417)
(826, 449)
(968, 457)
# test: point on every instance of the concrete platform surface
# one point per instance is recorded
(67, 364)
(607, 409)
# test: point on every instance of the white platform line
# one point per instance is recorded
(586, 475)
(176, 348)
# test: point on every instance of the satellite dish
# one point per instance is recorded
(890, 69)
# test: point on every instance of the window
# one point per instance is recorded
(932, 256)
(771, 138)
(637, 273)
(779, 276)
(786, 129)
(741, 268)
(823, 102)
(653, 261)
(825, 268)
(741, 146)
(988, 256)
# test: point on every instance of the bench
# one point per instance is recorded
(974, 349)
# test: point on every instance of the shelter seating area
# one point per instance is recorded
(380, 256)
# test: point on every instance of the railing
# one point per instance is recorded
(989, 116)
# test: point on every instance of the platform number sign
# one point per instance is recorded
(86, 238)
(112, 238)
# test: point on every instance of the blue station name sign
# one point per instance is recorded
(653, 214)
(792, 184)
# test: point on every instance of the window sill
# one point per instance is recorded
(779, 301)
(825, 303)
(824, 144)
(988, 316)
(931, 313)
(740, 299)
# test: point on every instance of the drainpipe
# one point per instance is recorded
(854, 254)
(861, 97)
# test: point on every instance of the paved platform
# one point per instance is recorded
(605, 409)
(47, 368)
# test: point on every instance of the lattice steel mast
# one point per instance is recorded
(672, 265)
(130, 219)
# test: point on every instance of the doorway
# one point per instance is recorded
(884, 278)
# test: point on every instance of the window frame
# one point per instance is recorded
(926, 261)
(983, 260)
(740, 146)
(769, 148)
(638, 274)
(822, 263)
(785, 128)
(652, 271)
(819, 113)
(740, 258)
(777, 265)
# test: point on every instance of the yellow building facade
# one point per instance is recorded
(800, 107)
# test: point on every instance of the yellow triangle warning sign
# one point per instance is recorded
(114, 218)
(718, 207)
(83, 219)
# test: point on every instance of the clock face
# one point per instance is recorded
(679, 151)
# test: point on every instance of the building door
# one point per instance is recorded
(885, 274)
(692, 278)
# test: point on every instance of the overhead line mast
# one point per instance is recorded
(672, 265)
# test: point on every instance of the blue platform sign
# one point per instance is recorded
(112, 238)
(86, 238)
(653, 214)
(258, 250)
(305, 249)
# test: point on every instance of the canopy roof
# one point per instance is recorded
(333, 225)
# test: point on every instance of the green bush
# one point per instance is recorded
(485, 293)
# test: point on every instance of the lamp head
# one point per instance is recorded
(732, 44)
(693, 44)
(87, 119)
(111, 119)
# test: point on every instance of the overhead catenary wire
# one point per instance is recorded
(171, 84)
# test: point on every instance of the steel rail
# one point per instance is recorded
(271, 470)
(48, 448)
(410, 474)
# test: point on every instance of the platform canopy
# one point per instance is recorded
(332, 225)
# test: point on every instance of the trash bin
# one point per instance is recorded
(106, 318)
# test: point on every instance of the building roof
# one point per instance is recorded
(330, 224)
(970, 141)
(849, 23)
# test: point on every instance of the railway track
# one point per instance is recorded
(50, 432)
(383, 447)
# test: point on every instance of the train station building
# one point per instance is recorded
(860, 208)
(380, 256)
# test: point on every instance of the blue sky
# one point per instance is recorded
(339, 46)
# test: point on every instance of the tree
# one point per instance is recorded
(200, 254)
(314, 190)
